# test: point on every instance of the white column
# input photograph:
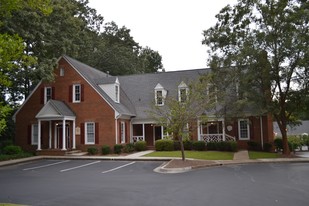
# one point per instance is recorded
(50, 135)
(162, 132)
(63, 135)
(39, 135)
(116, 130)
(55, 137)
(198, 130)
(223, 129)
(144, 132)
(74, 136)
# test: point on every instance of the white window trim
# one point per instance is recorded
(74, 94)
(179, 93)
(248, 129)
(86, 133)
(156, 97)
(45, 94)
(34, 140)
(123, 132)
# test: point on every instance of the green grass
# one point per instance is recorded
(262, 155)
(203, 155)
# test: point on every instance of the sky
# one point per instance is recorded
(172, 27)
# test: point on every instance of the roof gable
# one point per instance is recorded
(55, 109)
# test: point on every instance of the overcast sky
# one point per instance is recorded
(171, 27)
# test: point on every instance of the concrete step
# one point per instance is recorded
(75, 153)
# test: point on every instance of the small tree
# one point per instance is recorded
(180, 112)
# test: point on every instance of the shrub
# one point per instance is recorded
(92, 150)
(12, 150)
(187, 144)
(177, 145)
(140, 146)
(253, 146)
(128, 148)
(211, 146)
(106, 150)
(199, 145)
(268, 147)
(305, 139)
(117, 148)
(278, 144)
(233, 147)
(294, 142)
(164, 145)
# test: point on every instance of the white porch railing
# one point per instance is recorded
(137, 139)
(216, 137)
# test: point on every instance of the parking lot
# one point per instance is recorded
(98, 182)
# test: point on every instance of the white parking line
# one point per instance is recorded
(85, 165)
(48, 165)
(118, 167)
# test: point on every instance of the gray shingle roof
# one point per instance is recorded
(140, 88)
(55, 108)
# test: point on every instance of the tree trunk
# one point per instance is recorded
(282, 126)
(182, 149)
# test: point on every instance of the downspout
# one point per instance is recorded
(262, 136)
(117, 116)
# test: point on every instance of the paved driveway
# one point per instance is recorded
(91, 182)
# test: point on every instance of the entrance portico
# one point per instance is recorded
(62, 119)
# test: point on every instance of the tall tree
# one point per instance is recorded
(181, 112)
(265, 43)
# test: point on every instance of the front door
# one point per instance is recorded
(60, 139)
(157, 133)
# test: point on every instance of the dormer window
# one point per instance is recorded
(160, 94)
(182, 92)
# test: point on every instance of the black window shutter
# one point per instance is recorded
(96, 133)
(70, 93)
(82, 133)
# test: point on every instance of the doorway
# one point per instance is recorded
(59, 139)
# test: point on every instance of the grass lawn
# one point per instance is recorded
(203, 155)
(262, 155)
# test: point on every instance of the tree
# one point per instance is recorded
(178, 114)
(265, 43)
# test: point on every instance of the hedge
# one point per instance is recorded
(164, 145)
(140, 146)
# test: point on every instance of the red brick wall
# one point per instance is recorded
(93, 109)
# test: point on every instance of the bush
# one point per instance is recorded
(253, 146)
(268, 147)
(187, 144)
(222, 146)
(12, 150)
(278, 144)
(92, 150)
(117, 148)
(128, 148)
(199, 145)
(164, 145)
(305, 139)
(294, 142)
(140, 146)
(177, 145)
(106, 150)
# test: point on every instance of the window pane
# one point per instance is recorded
(34, 139)
(90, 136)
(76, 93)
(243, 129)
(159, 98)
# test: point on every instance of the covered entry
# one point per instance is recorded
(61, 129)
(147, 132)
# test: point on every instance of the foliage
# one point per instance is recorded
(164, 145)
(262, 155)
(118, 148)
(140, 146)
(268, 147)
(222, 146)
(294, 142)
(199, 145)
(261, 47)
(128, 148)
(278, 144)
(253, 146)
(203, 155)
(12, 150)
(16, 156)
(305, 140)
(92, 150)
(106, 150)
(187, 144)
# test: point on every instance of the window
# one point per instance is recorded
(243, 129)
(47, 94)
(159, 97)
(76, 93)
(90, 133)
(34, 134)
(123, 132)
(61, 72)
(117, 93)
(182, 94)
